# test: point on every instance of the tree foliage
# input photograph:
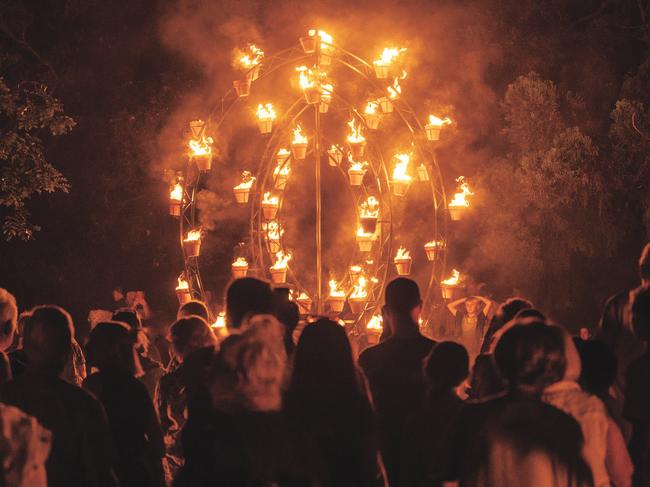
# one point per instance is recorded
(28, 114)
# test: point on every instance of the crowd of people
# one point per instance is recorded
(284, 401)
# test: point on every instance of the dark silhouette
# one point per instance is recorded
(131, 418)
(529, 357)
(328, 403)
(504, 313)
(81, 449)
(194, 307)
(485, 382)
(288, 314)
(394, 369)
(637, 390)
(247, 296)
(424, 446)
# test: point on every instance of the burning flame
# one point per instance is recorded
(334, 291)
(355, 269)
(375, 323)
(370, 208)
(281, 260)
(201, 147)
(282, 154)
(355, 137)
(183, 285)
(395, 91)
(176, 194)
(298, 136)
(266, 112)
(326, 39)
(274, 230)
(270, 200)
(401, 167)
(439, 122)
(362, 234)
(434, 244)
(307, 77)
(389, 55)
(357, 166)
(303, 297)
(247, 181)
(282, 169)
(326, 90)
(460, 198)
(402, 254)
(359, 289)
(193, 235)
(250, 58)
(453, 280)
(240, 262)
(221, 320)
(372, 108)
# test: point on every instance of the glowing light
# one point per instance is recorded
(240, 262)
(220, 321)
(454, 280)
(326, 39)
(326, 90)
(375, 323)
(357, 166)
(401, 167)
(176, 194)
(402, 254)
(193, 236)
(355, 137)
(270, 200)
(434, 244)
(460, 198)
(439, 122)
(282, 169)
(359, 291)
(372, 108)
(388, 56)
(266, 112)
(370, 208)
(355, 269)
(395, 90)
(183, 285)
(281, 260)
(250, 57)
(201, 146)
(307, 77)
(335, 292)
(247, 181)
(274, 230)
(362, 234)
(298, 136)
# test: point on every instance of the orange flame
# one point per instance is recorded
(270, 200)
(281, 260)
(274, 231)
(439, 122)
(370, 208)
(307, 77)
(395, 91)
(355, 137)
(265, 112)
(402, 254)
(221, 320)
(247, 181)
(375, 323)
(193, 235)
(357, 166)
(201, 147)
(334, 290)
(362, 234)
(372, 108)
(250, 57)
(389, 55)
(326, 39)
(326, 90)
(434, 244)
(460, 198)
(183, 285)
(240, 262)
(298, 136)
(282, 169)
(359, 291)
(176, 194)
(454, 280)
(401, 167)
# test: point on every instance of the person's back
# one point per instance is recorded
(81, 452)
(394, 369)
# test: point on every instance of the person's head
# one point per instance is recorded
(530, 314)
(111, 344)
(128, 316)
(193, 308)
(510, 308)
(531, 357)
(246, 297)
(403, 302)
(117, 294)
(471, 306)
(486, 380)
(47, 339)
(288, 314)
(8, 318)
(323, 365)
(599, 366)
(190, 334)
(641, 313)
(253, 364)
(445, 368)
(644, 265)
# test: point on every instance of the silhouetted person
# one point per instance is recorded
(288, 315)
(152, 369)
(637, 391)
(193, 345)
(534, 440)
(485, 381)
(504, 313)
(247, 441)
(424, 439)
(328, 403)
(81, 449)
(394, 369)
(615, 327)
(131, 417)
(8, 319)
(194, 307)
(246, 297)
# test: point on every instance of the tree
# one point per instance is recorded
(28, 113)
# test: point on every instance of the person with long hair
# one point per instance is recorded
(328, 401)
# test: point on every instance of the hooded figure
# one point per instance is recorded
(604, 448)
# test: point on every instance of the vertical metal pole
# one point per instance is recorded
(319, 262)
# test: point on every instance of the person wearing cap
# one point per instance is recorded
(394, 369)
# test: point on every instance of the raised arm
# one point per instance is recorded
(453, 306)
